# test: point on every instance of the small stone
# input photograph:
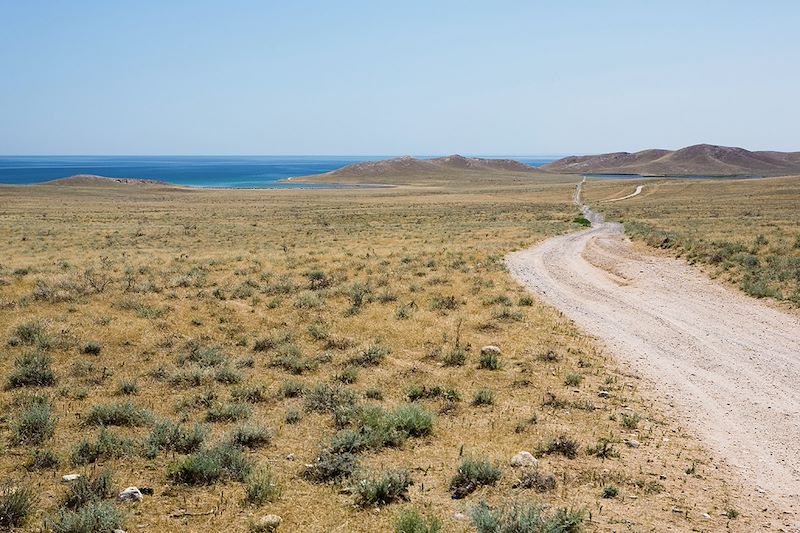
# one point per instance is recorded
(70, 477)
(290, 457)
(523, 459)
(490, 350)
(460, 516)
(706, 516)
(119, 531)
(632, 443)
(270, 522)
(131, 494)
(604, 394)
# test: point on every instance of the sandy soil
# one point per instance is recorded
(729, 364)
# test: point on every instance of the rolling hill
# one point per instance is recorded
(700, 159)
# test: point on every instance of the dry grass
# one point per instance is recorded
(742, 231)
(231, 302)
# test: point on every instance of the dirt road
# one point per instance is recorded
(729, 364)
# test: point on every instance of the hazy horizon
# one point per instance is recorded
(266, 78)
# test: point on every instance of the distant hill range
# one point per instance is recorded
(410, 166)
(90, 180)
(697, 160)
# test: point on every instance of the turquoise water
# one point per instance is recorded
(239, 172)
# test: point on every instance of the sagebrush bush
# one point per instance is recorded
(382, 489)
(228, 412)
(370, 356)
(252, 437)
(34, 424)
(43, 460)
(206, 467)
(563, 445)
(89, 489)
(533, 479)
(483, 397)
(250, 393)
(332, 467)
(168, 436)
(16, 506)
(107, 445)
(519, 517)
(118, 414)
(262, 487)
(411, 521)
(32, 369)
(99, 517)
(471, 474)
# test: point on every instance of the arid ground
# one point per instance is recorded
(316, 355)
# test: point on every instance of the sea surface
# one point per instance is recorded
(240, 172)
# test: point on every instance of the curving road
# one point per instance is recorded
(729, 363)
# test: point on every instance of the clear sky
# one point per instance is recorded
(396, 77)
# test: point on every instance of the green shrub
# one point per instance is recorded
(43, 460)
(167, 436)
(108, 445)
(413, 420)
(603, 449)
(562, 445)
(332, 467)
(204, 356)
(519, 517)
(610, 491)
(489, 361)
(228, 412)
(100, 517)
(32, 370)
(33, 333)
(630, 420)
(371, 356)
(573, 380)
(86, 490)
(423, 392)
(92, 348)
(374, 393)
(533, 479)
(206, 467)
(252, 437)
(128, 388)
(325, 398)
(411, 521)
(250, 394)
(34, 424)
(483, 397)
(348, 375)
(292, 389)
(16, 505)
(471, 474)
(227, 376)
(383, 489)
(118, 414)
(261, 488)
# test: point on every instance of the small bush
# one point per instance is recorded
(250, 394)
(457, 356)
(411, 521)
(332, 467)
(603, 449)
(207, 467)
(471, 474)
(525, 301)
(43, 460)
(92, 348)
(34, 424)
(560, 445)
(16, 505)
(227, 376)
(348, 375)
(228, 412)
(630, 421)
(610, 492)
(325, 398)
(443, 303)
(252, 437)
(373, 393)
(100, 517)
(292, 389)
(108, 445)
(33, 333)
(128, 388)
(483, 397)
(413, 420)
(372, 356)
(383, 489)
(86, 490)
(167, 436)
(118, 414)
(261, 488)
(293, 416)
(32, 370)
(525, 517)
(573, 380)
(489, 361)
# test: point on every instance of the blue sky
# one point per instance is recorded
(374, 77)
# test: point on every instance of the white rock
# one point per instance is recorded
(523, 459)
(604, 394)
(632, 443)
(460, 516)
(290, 457)
(271, 521)
(131, 494)
(70, 477)
(706, 516)
(490, 349)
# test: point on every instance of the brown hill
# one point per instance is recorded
(409, 166)
(697, 160)
(90, 180)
